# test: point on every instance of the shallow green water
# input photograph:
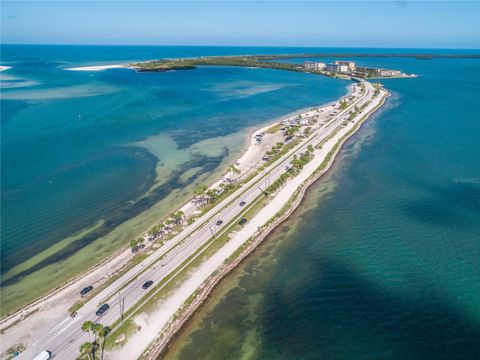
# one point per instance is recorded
(91, 159)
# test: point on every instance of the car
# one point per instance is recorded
(243, 221)
(102, 309)
(86, 290)
(242, 203)
(44, 355)
(219, 222)
(147, 284)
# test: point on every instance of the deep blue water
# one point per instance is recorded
(385, 266)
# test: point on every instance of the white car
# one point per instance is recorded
(44, 355)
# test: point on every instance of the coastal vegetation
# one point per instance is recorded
(298, 162)
(256, 61)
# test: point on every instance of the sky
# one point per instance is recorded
(395, 24)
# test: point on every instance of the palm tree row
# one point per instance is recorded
(159, 230)
(298, 162)
(88, 349)
(204, 196)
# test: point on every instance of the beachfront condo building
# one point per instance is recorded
(314, 65)
(349, 64)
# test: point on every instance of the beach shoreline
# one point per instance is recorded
(98, 67)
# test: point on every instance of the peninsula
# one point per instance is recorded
(171, 269)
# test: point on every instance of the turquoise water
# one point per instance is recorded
(79, 147)
(382, 261)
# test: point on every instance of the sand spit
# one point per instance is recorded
(98, 67)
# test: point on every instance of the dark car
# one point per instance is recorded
(219, 222)
(102, 309)
(86, 290)
(243, 221)
(242, 203)
(147, 284)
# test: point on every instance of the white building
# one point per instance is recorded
(337, 68)
(349, 64)
(314, 65)
(384, 72)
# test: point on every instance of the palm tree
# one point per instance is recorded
(102, 335)
(161, 229)
(177, 217)
(170, 219)
(212, 195)
(200, 194)
(234, 169)
(153, 232)
(140, 241)
(96, 329)
(86, 349)
(87, 326)
(134, 245)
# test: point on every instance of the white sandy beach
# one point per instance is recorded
(97, 67)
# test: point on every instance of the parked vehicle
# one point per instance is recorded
(102, 309)
(44, 355)
(86, 290)
(242, 203)
(243, 221)
(147, 284)
(219, 222)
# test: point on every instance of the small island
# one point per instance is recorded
(338, 69)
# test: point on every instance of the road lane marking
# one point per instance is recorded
(56, 331)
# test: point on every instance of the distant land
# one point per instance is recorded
(267, 61)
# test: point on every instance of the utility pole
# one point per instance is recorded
(121, 303)
(212, 230)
